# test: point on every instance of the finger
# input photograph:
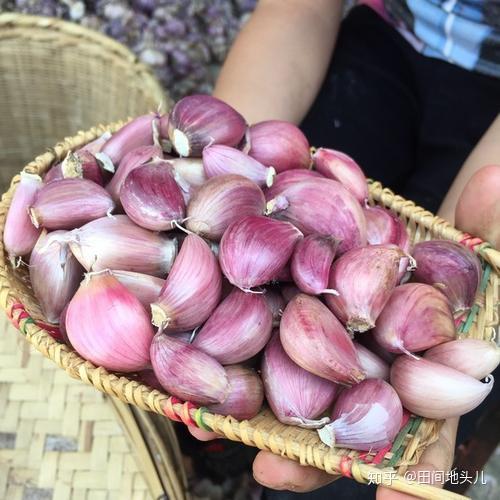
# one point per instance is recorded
(281, 473)
(436, 457)
(202, 435)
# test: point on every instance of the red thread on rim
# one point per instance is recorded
(470, 241)
(345, 466)
(186, 416)
(169, 411)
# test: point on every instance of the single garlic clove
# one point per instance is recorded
(117, 243)
(365, 417)
(321, 206)
(296, 396)
(152, 199)
(452, 268)
(103, 304)
(340, 167)
(189, 169)
(69, 203)
(246, 394)
(474, 357)
(187, 372)
(289, 178)
(238, 328)
(416, 317)
(371, 364)
(145, 287)
(313, 337)
(432, 390)
(255, 249)
(192, 289)
(365, 278)
(220, 202)
(197, 121)
(311, 262)
(55, 274)
(221, 160)
(20, 235)
(279, 144)
(133, 159)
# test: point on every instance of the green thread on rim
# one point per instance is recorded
(26, 321)
(410, 428)
(198, 418)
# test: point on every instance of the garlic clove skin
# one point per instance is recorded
(371, 364)
(432, 390)
(365, 417)
(190, 170)
(238, 328)
(279, 144)
(117, 243)
(364, 278)
(415, 318)
(187, 372)
(197, 121)
(474, 357)
(450, 267)
(221, 201)
(103, 304)
(311, 262)
(55, 274)
(132, 160)
(246, 394)
(296, 396)
(340, 167)
(20, 235)
(255, 249)
(192, 289)
(69, 203)
(321, 206)
(289, 178)
(145, 287)
(221, 160)
(152, 199)
(313, 337)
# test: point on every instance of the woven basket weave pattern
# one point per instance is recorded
(264, 431)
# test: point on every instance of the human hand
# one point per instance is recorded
(280, 473)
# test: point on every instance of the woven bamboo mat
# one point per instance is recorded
(59, 438)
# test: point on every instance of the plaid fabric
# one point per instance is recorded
(462, 32)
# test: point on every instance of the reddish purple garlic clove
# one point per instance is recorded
(238, 328)
(198, 121)
(117, 243)
(254, 249)
(311, 262)
(452, 268)
(365, 278)
(20, 235)
(222, 201)
(192, 289)
(221, 160)
(54, 274)
(139, 132)
(145, 287)
(289, 178)
(187, 372)
(416, 317)
(366, 417)
(69, 203)
(133, 159)
(371, 364)
(152, 199)
(321, 206)
(279, 144)
(276, 304)
(313, 337)
(474, 357)
(340, 167)
(432, 390)
(246, 394)
(103, 304)
(296, 396)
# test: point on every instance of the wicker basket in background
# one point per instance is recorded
(57, 78)
(263, 431)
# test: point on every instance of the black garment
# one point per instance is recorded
(410, 121)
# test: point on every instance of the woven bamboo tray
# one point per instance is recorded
(263, 431)
(56, 78)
